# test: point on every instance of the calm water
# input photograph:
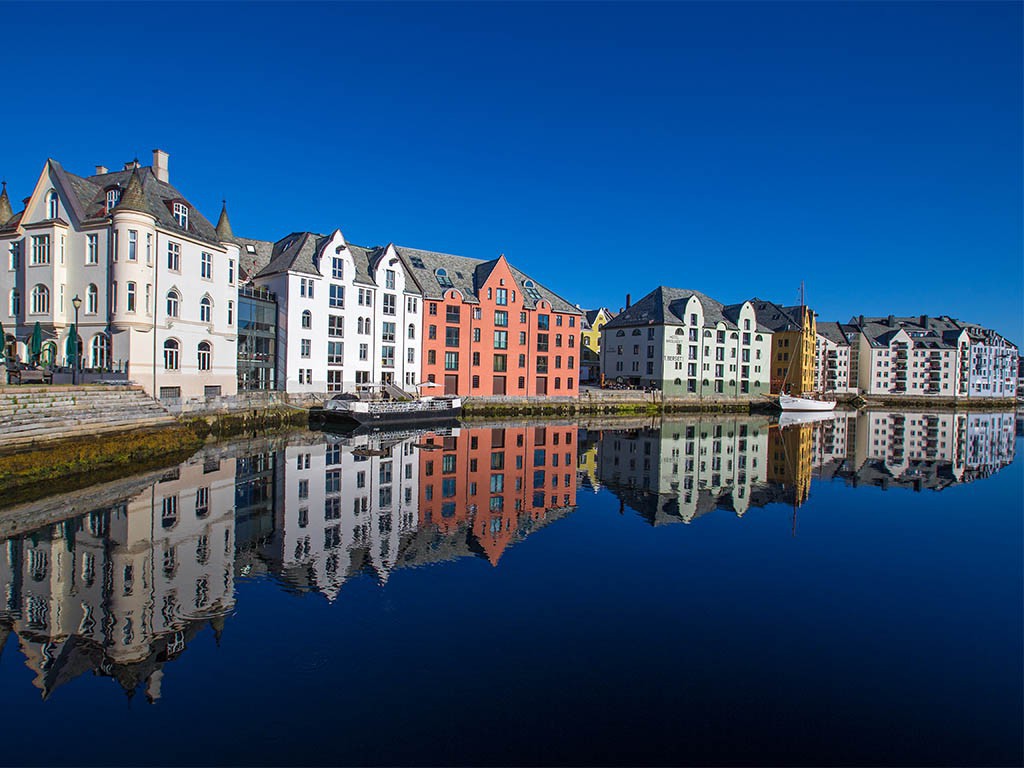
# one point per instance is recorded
(710, 590)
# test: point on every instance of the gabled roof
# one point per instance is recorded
(777, 318)
(468, 275)
(591, 314)
(294, 253)
(833, 332)
(253, 256)
(87, 198)
(667, 306)
(927, 332)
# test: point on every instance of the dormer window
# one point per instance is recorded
(181, 215)
(113, 198)
(442, 278)
(51, 204)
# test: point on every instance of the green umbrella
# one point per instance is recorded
(71, 347)
(35, 344)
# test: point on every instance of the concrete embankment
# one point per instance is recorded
(608, 402)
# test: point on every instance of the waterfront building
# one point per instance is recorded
(992, 368)
(919, 356)
(793, 345)
(346, 315)
(257, 338)
(590, 364)
(687, 344)
(156, 281)
(490, 329)
(687, 468)
(835, 367)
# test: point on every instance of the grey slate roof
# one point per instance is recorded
(252, 262)
(301, 252)
(833, 332)
(89, 199)
(591, 315)
(467, 276)
(775, 317)
(666, 305)
(927, 332)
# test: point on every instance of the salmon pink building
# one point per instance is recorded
(489, 329)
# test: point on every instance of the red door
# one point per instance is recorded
(542, 385)
(451, 384)
(499, 385)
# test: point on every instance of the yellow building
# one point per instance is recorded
(590, 359)
(794, 335)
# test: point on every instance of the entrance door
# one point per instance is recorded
(542, 385)
(387, 378)
(451, 383)
(499, 385)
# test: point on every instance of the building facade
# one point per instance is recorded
(155, 280)
(687, 344)
(835, 366)
(347, 316)
(919, 356)
(489, 329)
(794, 334)
(593, 321)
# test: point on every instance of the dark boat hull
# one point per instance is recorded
(324, 416)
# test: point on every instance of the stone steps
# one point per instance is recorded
(34, 414)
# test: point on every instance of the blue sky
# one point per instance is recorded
(871, 150)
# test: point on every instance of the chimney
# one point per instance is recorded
(160, 166)
(891, 321)
(101, 169)
(862, 320)
(627, 301)
(924, 321)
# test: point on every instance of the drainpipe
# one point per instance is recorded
(156, 301)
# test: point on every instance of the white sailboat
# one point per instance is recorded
(793, 403)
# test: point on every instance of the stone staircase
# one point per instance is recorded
(31, 415)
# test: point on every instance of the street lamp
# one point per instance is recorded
(76, 303)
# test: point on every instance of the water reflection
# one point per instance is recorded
(121, 585)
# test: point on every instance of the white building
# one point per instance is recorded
(346, 315)
(156, 280)
(835, 363)
(917, 356)
(992, 369)
(687, 344)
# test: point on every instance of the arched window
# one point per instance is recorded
(680, 332)
(99, 351)
(412, 331)
(620, 333)
(51, 204)
(758, 338)
(181, 215)
(679, 382)
(707, 334)
(206, 310)
(40, 300)
(113, 198)
(205, 355)
(15, 302)
(92, 299)
(172, 355)
(173, 303)
(307, 319)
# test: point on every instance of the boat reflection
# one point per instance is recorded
(117, 580)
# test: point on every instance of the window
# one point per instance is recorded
(173, 303)
(231, 308)
(387, 356)
(204, 355)
(389, 303)
(131, 297)
(231, 271)
(451, 314)
(412, 304)
(338, 268)
(306, 287)
(411, 331)
(40, 300)
(389, 279)
(543, 322)
(451, 337)
(205, 310)
(337, 296)
(431, 331)
(91, 300)
(133, 245)
(181, 215)
(335, 353)
(40, 250)
(500, 363)
(113, 198)
(172, 351)
(365, 297)
(149, 248)
(364, 352)
(334, 381)
(451, 361)
(431, 357)
(442, 278)
(174, 257)
(307, 319)
(501, 318)
(501, 297)
(336, 326)
(387, 332)
(206, 266)
(51, 204)
(99, 351)
(305, 347)
(501, 339)
(476, 358)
